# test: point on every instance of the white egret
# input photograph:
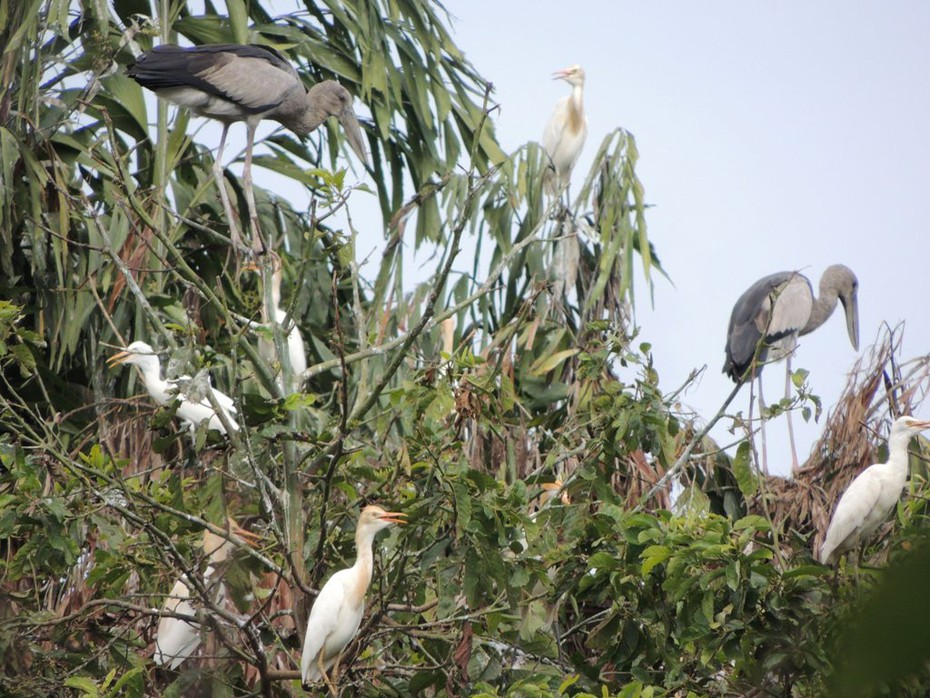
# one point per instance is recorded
(869, 499)
(233, 82)
(296, 353)
(566, 131)
(176, 639)
(776, 310)
(141, 355)
(337, 612)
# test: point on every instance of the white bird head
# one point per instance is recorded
(375, 518)
(573, 75)
(138, 353)
(551, 489)
(277, 267)
(219, 548)
(909, 426)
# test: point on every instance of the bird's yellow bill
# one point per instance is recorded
(249, 538)
(397, 517)
(118, 358)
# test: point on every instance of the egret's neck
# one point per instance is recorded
(276, 289)
(364, 562)
(576, 109)
(151, 377)
(274, 312)
(897, 452)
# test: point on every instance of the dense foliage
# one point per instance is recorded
(507, 409)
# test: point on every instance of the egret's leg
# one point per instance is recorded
(224, 196)
(765, 455)
(258, 245)
(795, 467)
(326, 679)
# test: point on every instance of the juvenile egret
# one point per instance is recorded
(177, 639)
(233, 82)
(337, 613)
(777, 309)
(163, 391)
(296, 354)
(869, 499)
(566, 131)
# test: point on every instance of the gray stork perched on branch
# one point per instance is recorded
(776, 310)
(234, 82)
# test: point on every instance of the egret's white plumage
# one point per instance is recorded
(869, 499)
(566, 131)
(337, 612)
(192, 412)
(176, 639)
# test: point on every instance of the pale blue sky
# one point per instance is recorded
(772, 137)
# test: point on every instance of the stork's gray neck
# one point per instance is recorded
(822, 308)
(303, 114)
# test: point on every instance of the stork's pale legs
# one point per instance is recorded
(220, 179)
(795, 467)
(765, 455)
(258, 243)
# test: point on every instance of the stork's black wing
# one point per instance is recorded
(212, 69)
(743, 334)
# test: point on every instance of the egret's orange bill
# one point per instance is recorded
(397, 517)
(248, 537)
(118, 358)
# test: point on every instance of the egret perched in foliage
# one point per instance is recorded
(776, 310)
(176, 639)
(869, 499)
(337, 612)
(566, 131)
(296, 353)
(192, 412)
(233, 82)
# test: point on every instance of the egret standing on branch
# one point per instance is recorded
(566, 131)
(192, 412)
(233, 82)
(775, 311)
(867, 502)
(297, 355)
(176, 639)
(337, 613)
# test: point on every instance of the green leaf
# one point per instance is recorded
(654, 555)
(745, 477)
(83, 683)
(545, 364)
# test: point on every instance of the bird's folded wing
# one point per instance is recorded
(859, 499)
(323, 619)
(254, 78)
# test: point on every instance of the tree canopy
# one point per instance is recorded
(572, 530)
